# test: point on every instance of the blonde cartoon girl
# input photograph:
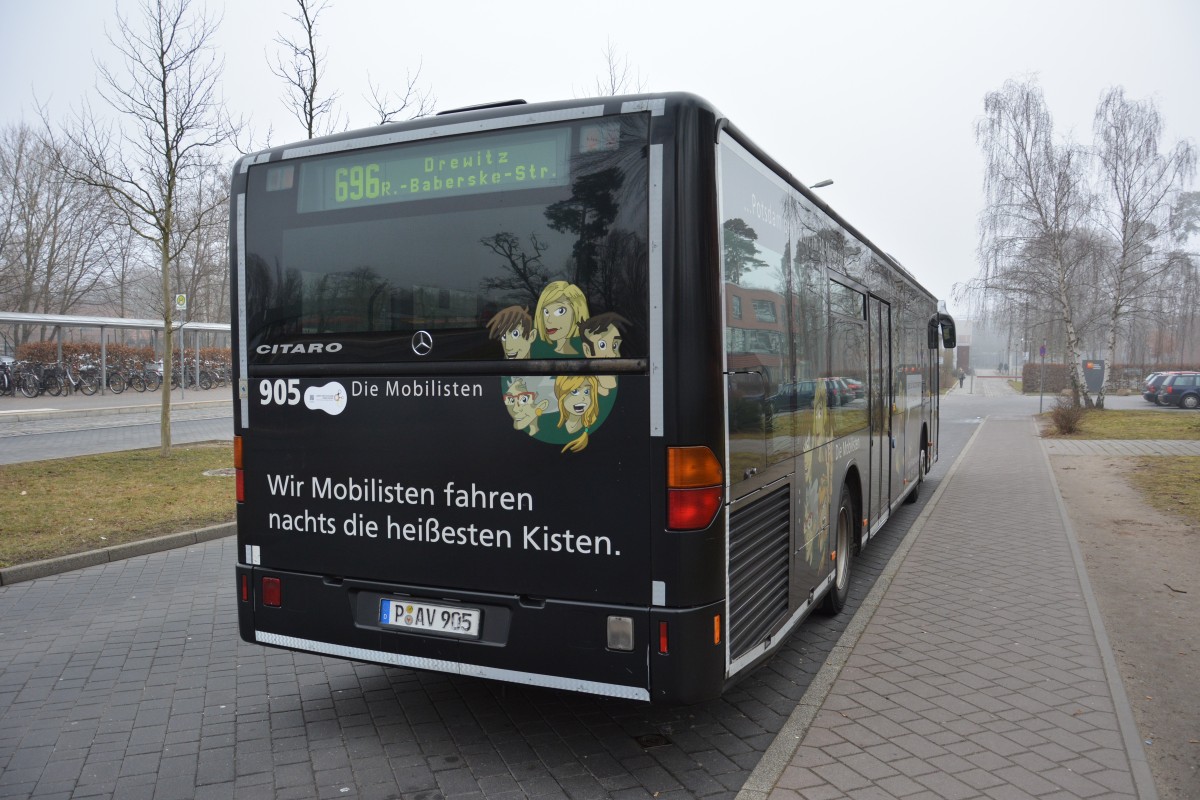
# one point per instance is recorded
(560, 309)
(578, 407)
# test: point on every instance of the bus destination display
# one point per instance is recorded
(473, 166)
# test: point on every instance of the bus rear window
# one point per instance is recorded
(496, 246)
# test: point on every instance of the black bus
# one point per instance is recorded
(590, 395)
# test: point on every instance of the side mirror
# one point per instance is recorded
(946, 323)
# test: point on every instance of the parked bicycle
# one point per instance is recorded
(29, 377)
(7, 386)
(114, 380)
(61, 379)
(142, 378)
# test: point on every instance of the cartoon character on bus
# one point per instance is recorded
(578, 407)
(601, 335)
(515, 329)
(601, 338)
(560, 327)
(523, 406)
(560, 309)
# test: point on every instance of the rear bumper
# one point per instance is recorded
(533, 641)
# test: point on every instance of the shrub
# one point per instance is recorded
(1066, 415)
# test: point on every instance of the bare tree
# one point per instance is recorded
(1033, 228)
(526, 272)
(56, 235)
(302, 67)
(1139, 183)
(202, 269)
(619, 76)
(411, 101)
(174, 125)
(128, 272)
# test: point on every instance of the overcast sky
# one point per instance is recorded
(880, 97)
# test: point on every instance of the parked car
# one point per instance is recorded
(793, 396)
(1153, 382)
(1180, 389)
(857, 388)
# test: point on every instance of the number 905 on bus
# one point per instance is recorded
(280, 392)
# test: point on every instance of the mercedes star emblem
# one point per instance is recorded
(422, 343)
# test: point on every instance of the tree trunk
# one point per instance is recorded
(168, 338)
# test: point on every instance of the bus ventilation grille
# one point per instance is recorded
(758, 570)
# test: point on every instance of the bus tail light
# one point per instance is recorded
(663, 644)
(694, 488)
(717, 629)
(272, 592)
(239, 473)
(245, 588)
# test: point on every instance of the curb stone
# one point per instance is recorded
(90, 558)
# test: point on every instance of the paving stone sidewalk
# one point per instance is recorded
(985, 671)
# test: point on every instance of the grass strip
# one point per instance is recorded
(1118, 424)
(71, 505)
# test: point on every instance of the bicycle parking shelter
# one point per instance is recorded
(104, 324)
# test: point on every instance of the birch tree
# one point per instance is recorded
(1139, 182)
(1033, 228)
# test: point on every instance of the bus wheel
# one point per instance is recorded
(844, 560)
(922, 467)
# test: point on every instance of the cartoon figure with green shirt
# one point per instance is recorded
(560, 309)
(561, 327)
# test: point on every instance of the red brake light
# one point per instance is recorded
(663, 644)
(692, 509)
(272, 592)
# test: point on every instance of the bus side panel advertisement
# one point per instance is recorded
(527, 484)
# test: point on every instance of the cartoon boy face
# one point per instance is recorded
(517, 341)
(605, 343)
(559, 318)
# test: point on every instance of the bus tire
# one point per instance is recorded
(922, 467)
(843, 563)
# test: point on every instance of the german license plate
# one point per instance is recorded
(429, 618)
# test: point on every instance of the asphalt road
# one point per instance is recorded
(46, 428)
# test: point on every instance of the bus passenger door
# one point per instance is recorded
(879, 327)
